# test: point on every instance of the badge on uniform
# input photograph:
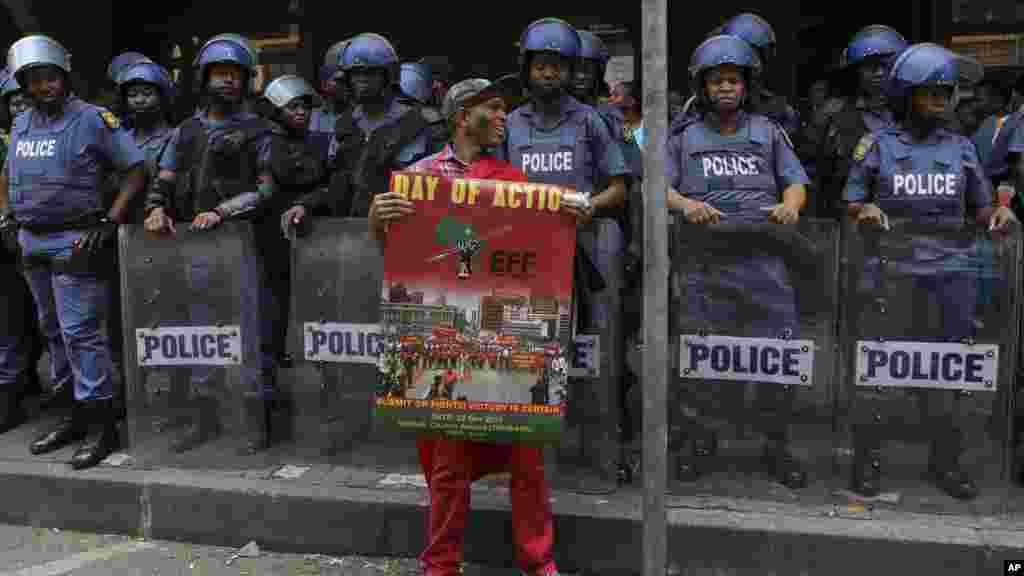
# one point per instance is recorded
(862, 147)
(627, 135)
(112, 122)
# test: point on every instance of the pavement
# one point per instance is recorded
(368, 500)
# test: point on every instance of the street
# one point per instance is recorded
(31, 551)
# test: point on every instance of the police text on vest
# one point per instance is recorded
(342, 343)
(761, 360)
(924, 185)
(547, 162)
(730, 165)
(36, 149)
(940, 365)
(189, 346)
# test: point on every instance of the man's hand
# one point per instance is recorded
(9, 233)
(292, 218)
(1000, 218)
(391, 206)
(782, 214)
(158, 222)
(872, 214)
(697, 212)
(97, 239)
(206, 221)
(580, 207)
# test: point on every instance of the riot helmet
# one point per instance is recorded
(226, 51)
(719, 51)
(369, 52)
(552, 36)
(34, 51)
(14, 99)
(293, 99)
(594, 58)
(122, 61)
(416, 82)
(929, 65)
(874, 40)
(146, 90)
(755, 30)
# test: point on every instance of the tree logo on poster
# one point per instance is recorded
(461, 240)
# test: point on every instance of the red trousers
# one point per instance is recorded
(450, 466)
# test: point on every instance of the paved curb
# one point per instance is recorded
(594, 534)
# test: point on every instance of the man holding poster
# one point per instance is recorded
(475, 110)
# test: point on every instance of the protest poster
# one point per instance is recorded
(476, 311)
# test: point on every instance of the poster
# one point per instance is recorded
(476, 311)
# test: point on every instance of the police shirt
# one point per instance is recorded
(985, 137)
(55, 167)
(153, 144)
(217, 129)
(321, 130)
(739, 174)
(577, 152)
(736, 173)
(626, 138)
(936, 180)
(413, 151)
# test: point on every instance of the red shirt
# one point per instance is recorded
(486, 167)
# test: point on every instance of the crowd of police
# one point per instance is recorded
(74, 172)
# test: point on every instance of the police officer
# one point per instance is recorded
(114, 69)
(725, 71)
(758, 33)
(392, 135)
(867, 57)
(217, 167)
(586, 87)
(415, 86)
(301, 178)
(61, 150)
(556, 139)
(920, 84)
(23, 312)
(336, 99)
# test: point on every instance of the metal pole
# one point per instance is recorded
(656, 266)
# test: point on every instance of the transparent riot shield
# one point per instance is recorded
(589, 458)
(929, 342)
(338, 272)
(191, 304)
(752, 326)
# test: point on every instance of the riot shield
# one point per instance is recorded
(338, 272)
(752, 311)
(191, 307)
(929, 342)
(588, 458)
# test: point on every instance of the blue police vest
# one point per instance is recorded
(736, 293)
(921, 181)
(561, 156)
(996, 164)
(736, 178)
(321, 130)
(54, 173)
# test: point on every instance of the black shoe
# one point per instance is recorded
(867, 473)
(285, 361)
(257, 417)
(204, 426)
(12, 414)
(103, 441)
(945, 471)
(785, 468)
(70, 429)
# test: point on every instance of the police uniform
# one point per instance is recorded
(321, 130)
(935, 181)
(239, 159)
(844, 130)
(740, 175)
(399, 137)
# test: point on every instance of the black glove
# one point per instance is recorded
(9, 233)
(98, 238)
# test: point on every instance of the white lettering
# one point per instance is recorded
(924, 184)
(548, 162)
(35, 149)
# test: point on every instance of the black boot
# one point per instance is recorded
(257, 416)
(203, 426)
(57, 398)
(12, 414)
(944, 467)
(103, 440)
(70, 429)
(783, 466)
(867, 471)
(693, 464)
